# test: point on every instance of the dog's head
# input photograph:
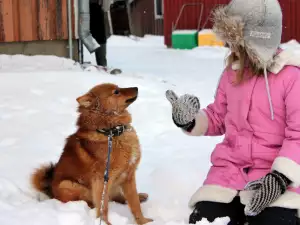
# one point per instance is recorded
(108, 98)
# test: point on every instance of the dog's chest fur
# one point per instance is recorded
(125, 154)
(127, 146)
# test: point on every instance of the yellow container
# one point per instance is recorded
(208, 38)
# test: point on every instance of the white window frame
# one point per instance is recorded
(155, 10)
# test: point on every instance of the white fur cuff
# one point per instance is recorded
(201, 125)
(289, 168)
(289, 200)
(212, 193)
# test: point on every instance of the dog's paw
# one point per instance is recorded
(144, 221)
(105, 219)
(143, 197)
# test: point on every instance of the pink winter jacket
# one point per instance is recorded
(254, 144)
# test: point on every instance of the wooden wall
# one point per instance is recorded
(32, 20)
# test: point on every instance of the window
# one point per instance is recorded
(159, 9)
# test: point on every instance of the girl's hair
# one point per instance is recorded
(244, 62)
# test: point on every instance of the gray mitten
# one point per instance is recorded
(266, 190)
(184, 109)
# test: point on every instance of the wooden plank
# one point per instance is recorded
(34, 20)
(16, 18)
(287, 15)
(73, 18)
(25, 21)
(6, 21)
(64, 19)
(2, 31)
(43, 20)
(52, 19)
(58, 12)
(296, 19)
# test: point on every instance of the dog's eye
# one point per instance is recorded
(116, 92)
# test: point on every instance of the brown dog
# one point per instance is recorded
(79, 173)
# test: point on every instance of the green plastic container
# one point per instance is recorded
(184, 39)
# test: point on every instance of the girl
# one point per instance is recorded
(255, 172)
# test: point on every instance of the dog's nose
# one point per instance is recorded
(136, 89)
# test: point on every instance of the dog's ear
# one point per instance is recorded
(85, 100)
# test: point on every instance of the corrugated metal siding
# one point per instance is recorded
(291, 17)
(30, 20)
(190, 15)
(143, 18)
(189, 19)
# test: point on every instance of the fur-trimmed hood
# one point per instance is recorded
(255, 25)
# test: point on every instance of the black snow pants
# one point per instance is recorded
(98, 31)
(235, 211)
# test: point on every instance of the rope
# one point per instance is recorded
(268, 92)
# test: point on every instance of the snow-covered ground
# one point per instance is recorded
(38, 111)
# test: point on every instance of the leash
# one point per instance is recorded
(106, 175)
(110, 133)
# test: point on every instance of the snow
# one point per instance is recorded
(21, 63)
(184, 31)
(206, 31)
(38, 111)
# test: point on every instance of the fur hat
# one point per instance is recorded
(254, 24)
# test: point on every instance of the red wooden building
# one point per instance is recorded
(190, 16)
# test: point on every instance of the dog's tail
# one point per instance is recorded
(42, 178)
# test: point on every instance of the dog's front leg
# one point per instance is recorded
(133, 200)
(97, 190)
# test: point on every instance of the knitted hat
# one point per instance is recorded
(254, 24)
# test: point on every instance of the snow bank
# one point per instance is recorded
(22, 63)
